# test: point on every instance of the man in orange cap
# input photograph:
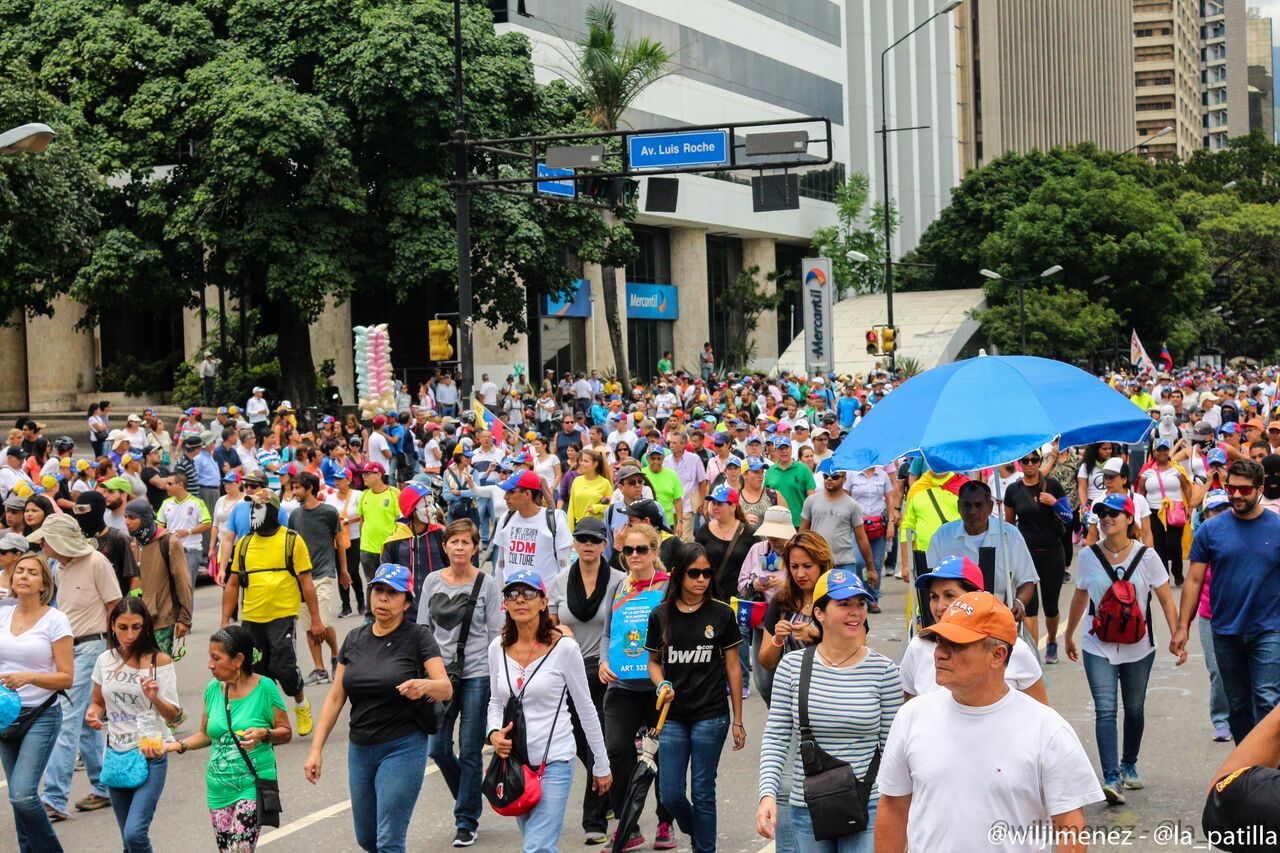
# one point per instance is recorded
(980, 766)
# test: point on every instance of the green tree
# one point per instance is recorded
(1061, 323)
(742, 302)
(856, 230)
(609, 74)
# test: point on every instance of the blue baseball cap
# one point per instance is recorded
(782, 441)
(953, 568)
(394, 575)
(1163, 443)
(722, 438)
(1215, 498)
(755, 463)
(733, 460)
(231, 477)
(525, 577)
(1117, 502)
(724, 494)
(655, 449)
(1229, 428)
(341, 473)
(1216, 456)
(840, 584)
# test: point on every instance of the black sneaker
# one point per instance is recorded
(464, 837)
(344, 613)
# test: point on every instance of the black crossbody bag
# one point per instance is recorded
(836, 797)
(268, 790)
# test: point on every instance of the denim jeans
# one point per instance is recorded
(695, 746)
(541, 824)
(464, 772)
(878, 547)
(24, 762)
(802, 830)
(134, 807)
(1132, 677)
(385, 779)
(484, 507)
(1219, 710)
(745, 662)
(1249, 665)
(75, 735)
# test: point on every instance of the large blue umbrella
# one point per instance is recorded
(989, 410)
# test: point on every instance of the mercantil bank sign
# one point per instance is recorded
(652, 302)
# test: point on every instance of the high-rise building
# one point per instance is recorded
(1261, 75)
(1036, 74)
(1167, 85)
(1225, 77)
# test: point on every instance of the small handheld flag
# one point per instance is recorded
(750, 613)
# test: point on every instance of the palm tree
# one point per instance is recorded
(609, 76)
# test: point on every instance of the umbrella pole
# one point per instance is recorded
(1009, 591)
(662, 718)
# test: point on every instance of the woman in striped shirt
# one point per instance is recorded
(852, 699)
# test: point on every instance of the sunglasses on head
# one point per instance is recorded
(587, 539)
(525, 592)
(628, 550)
(1242, 491)
(698, 574)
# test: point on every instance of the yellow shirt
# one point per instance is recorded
(271, 595)
(585, 498)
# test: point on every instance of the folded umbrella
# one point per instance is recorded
(641, 781)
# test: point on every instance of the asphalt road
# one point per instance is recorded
(1176, 761)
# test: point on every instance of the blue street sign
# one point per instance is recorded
(692, 148)
(568, 189)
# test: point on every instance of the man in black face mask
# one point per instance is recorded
(166, 583)
(1271, 482)
(90, 513)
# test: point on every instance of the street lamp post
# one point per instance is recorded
(1164, 131)
(884, 149)
(465, 360)
(1022, 296)
(31, 138)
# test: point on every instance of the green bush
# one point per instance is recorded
(235, 389)
(137, 378)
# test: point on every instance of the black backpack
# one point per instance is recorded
(242, 550)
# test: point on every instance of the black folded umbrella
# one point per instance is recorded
(641, 781)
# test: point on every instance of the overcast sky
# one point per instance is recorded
(1270, 9)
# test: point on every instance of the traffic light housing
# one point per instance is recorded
(873, 342)
(440, 337)
(615, 192)
(888, 340)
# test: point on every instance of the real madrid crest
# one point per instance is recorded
(708, 632)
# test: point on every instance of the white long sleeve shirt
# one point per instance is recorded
(544, 683)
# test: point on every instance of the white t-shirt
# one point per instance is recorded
(525, 543)
(379, 449)
(919, 676)
(488, 393)
(32, 650)
(1152, 481)
(1095, 486)
(1017, 762)
(665, 403)
(1149, 574)
(248, 460)
(353, 501)
(256, 409)
(122, 693)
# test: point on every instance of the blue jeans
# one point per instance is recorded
(1250, 668)
(695, 746)
(541, 824)
(134, 807)
(802, 829)
(464, 772)
(1219, 710)
(878, 547)
(75, 735)
(764, 676)
(1132, 677)
(385, 779)
(745, 662)
(24, 762)
(484, 507)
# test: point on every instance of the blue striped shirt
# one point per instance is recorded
(850, 712)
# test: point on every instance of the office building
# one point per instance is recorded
(1167, 79)
(1225, 77)
(1261, 75)
(1035, 75)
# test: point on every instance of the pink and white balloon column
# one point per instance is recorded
(374, 386)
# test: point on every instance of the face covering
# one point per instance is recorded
(422, 512)
(264, 518)
(1271, 487)
(140, 509)
(90, 513)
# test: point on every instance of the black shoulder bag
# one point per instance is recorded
(268, 790)
(454, 669)
(836, 797)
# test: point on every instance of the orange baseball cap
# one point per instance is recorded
(975, 616)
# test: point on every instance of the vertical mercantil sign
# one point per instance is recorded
(819, 316)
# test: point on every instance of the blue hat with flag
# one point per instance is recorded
(1215, 498)
(525, 577)
(1216, 456)
(394, 575)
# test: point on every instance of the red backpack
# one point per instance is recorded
(1119, 617)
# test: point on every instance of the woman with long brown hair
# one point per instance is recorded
(788, 623)
(592, 489)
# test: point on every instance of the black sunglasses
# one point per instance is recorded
(587, 539)
(628, 550)
(1108, 513)
(698, 574)
(1031, 460)
(525, 592)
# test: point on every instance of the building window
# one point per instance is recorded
(653, 265)
(1161, 53)
(724, 262)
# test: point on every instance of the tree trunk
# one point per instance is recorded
(614, 322)
(297, 370)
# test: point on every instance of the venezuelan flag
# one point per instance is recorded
(490, 421)
(749, 613)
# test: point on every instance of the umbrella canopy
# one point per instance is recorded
(638, 787)
(989, 410)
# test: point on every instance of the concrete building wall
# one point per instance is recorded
(13, 355)
(1166, 67)
(1224, 43)
(689, 271)
(763, 253)
(56, 384)
(331, 337)
(1042, 70)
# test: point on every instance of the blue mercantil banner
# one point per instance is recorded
(628, 628)
(652, 302)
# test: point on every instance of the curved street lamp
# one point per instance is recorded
(1022, 292)
(31, 138)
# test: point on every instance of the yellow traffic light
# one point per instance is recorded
(873, 342)
(440, 336)
(888, 342)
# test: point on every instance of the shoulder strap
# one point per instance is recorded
(936, 508)
(806, 676)
(465, 631)
(242, 551)
(733, 541)
(290, 542)
(547, 751)
(551, 525)
(226, 698)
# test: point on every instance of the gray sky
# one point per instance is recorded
(1270, 9)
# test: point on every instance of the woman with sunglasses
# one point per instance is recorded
(1031, 503)
(133, 683)
(693, 643)
(728, 539)
(1129, 664)
(1167, 487)
(535, 662)
(628, 699)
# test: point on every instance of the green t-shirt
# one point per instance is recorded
(227, 779)
(795, 483)
(664, 366)
(666, 489)
(378, 513)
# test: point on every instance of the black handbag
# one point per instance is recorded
(268, 790)
(836, 797)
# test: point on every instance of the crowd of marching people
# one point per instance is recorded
(558, 574)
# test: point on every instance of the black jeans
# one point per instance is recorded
(1168, 542)
(275, 639)
(594, 806)
(357, 582)
(626, 714)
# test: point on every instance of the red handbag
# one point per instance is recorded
(511, 786)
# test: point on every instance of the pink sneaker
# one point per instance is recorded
(636, 840)
(663, 839)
